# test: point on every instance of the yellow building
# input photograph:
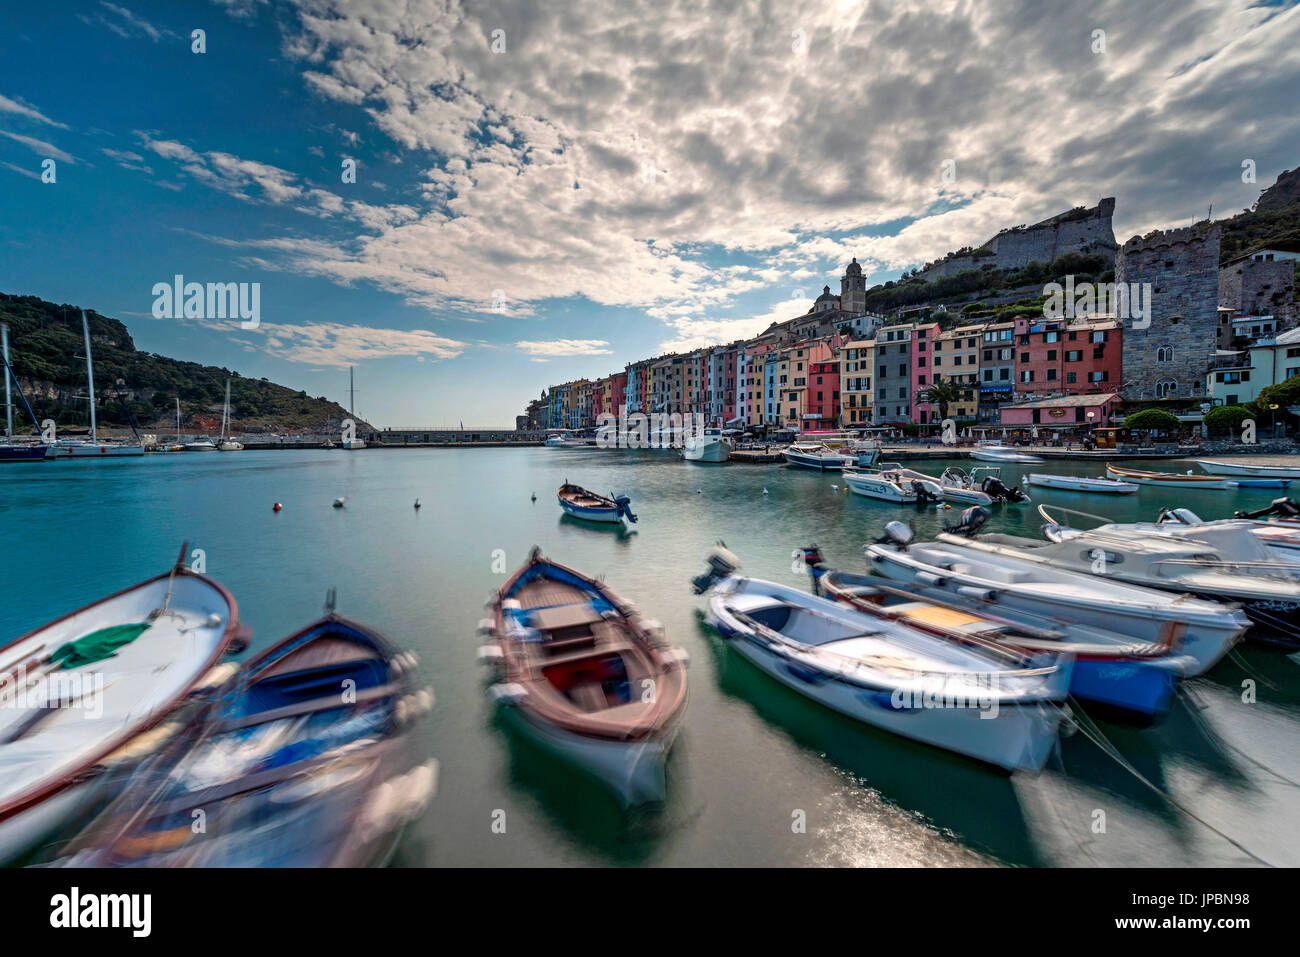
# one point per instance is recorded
(956, 358)
(857, 359)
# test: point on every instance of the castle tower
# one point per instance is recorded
(1171, 357)
(853, 290)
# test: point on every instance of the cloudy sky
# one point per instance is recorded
(549, 190)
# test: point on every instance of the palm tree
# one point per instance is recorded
(942, 393)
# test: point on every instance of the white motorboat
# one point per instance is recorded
(1220, 564)
(1078, 483)
(80, 693)
(711, 446)
(811, 455)
(888, 485)
(204, 444)
(999, 705)
(564, 439)
(1004, 576)
(1250, 471)
(1001, 453)
(982, 485)
(1169, 479)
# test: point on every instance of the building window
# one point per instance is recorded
(1166, 388)
(1070, 378)
(1165, 354)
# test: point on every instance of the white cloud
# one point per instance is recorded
(553, 348)
(335, 345)
(40, 147)
(29, 112)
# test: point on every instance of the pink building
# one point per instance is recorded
(923, 336)
(1062, 412)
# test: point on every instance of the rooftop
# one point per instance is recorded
(1068, 401)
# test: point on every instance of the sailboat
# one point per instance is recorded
(227, 444)
(354, 442)
(81, 448)
(178, 447)
(9, 450)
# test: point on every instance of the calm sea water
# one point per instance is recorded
(751, 753)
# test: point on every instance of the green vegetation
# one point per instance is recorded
(1226, 418)
(1153, 420)
(941, 393)
(46, 349)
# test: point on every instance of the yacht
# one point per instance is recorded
(92, 447)
(711, 446)
(812, 455)
(227, 443)
(900, 486)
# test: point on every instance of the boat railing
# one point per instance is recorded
(1047, 516)
(1290, 570)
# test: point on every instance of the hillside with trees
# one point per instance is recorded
(46, 350)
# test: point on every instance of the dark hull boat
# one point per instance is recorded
(301, 760)
(586, 676)
(22, 453)
(591, 507)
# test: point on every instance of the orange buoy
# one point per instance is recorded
(276, 507)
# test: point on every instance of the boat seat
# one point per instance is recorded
(565, 617)
(589, 697)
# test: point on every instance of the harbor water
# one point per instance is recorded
(759, 775)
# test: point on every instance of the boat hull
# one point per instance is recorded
(987, 456)
(94, 451)
(1143, 688)
(604, 516)
(1018, 738)
(23, 453)
(1169, 479)
(1070, 483)
(707, 452)
(632, 770)
(880, 490)
(1251, 471)
(829, 463)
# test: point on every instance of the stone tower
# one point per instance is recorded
(1171, 357)
(853, 290)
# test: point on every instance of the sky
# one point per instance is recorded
(545, 191)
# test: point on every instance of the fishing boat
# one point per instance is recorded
(711, 446)
(890, 485)
(1001, 453)
(227, 443)
(586, 676)
(811, 455)
(590, 507)
(1289, 472)
(92, 447)
(1115, 671)
(128, 661)
(1168, 479)
(996, 704)
(1078, 483)
(1012, 581)
(302, 759)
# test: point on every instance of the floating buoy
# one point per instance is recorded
(276, 507)
(338, 502)
(417, 503)
(835, 488)
(764, 489)
(699, 491)
(534, 496)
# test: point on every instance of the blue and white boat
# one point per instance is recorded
(1132, 675)
(590, 507)
(1000, 705)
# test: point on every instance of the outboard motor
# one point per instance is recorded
(927, 493)
(811, 556)
(994, 489)
(896, 533)
(1279, 507)
(971, 521)
(723, 563)
(625, 507)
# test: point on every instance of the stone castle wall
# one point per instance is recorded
(1182, 266)
(1043, 242)
(1253, 288)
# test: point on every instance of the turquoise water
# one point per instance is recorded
(751, 753)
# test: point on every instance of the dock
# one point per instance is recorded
(757, 456)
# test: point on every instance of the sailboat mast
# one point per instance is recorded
(225, 412)
(90, 375)
(352, 394)
(9, 406)
(178, 420)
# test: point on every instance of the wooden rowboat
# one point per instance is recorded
(127, 661)
(303, 759)
(586, 676)
(1169, 479)
(1077, 483)
(591, 507)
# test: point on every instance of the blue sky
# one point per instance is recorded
(590, 185)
